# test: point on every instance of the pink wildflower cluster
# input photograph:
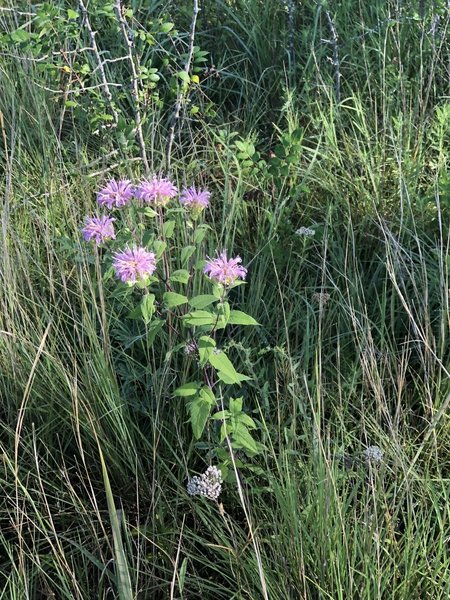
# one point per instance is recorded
(157, 191)
(98, 229)
(134, 264)
(225, 270)
(116, 194)
(195, 199)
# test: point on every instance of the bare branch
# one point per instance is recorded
(135, 85)
(105, 85)
(335, 61)
(187, 68)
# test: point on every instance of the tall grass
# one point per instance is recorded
(366, 364)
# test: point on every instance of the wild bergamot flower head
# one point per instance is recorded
(98, 229)
(157, 191)
(195, 199)
(225, 270)
(116, 193)
(134, 264)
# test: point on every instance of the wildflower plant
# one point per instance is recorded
(160, 283)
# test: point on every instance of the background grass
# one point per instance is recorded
(368, 171)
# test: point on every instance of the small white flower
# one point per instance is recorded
(209, 484)
(373, 454)
(321, 298)
(305, 231)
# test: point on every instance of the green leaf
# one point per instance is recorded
(186, 254)
(199, 317)
(148, 307)
(225, 370)
(154, 328)
(149, 212)
(188, 389)
(206, 347)
(243, 439)
(222, 415)
(159, 247)
(246, 420)
(200, 232)
(224, 311)
(236, 406)
(166, 27)
(172, 299)
(184, 76)
(202, 301)
(237, 317)
(199, 409)
(72, 14)
(180, 276)
(19, 35)
(169, 227)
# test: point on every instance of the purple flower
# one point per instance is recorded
(225, 270)
(156, 191)
(134, 264)
(195, 199)
(98, 229)
(116, 193)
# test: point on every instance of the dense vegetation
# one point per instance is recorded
(330, 116)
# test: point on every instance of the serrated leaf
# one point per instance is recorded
(186, 254)
(180, 276)
(200, 232)
(148, 307)
(237, 317)
(154, 328)
(246, 420)
(159, 247)
(236, 406)
(199, 410)
(198, 318)
(206, 347)
(19, 35)
(184, 76)
(243, 439)
(149, 212)
(225, 370)
(202, 301)
(166, 27)
(169, 227)
(188, 389)
(222, 415)
(172, 299)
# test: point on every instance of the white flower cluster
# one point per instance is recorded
(373, 454)
(306, 231)
(209, 484)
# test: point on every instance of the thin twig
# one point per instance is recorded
(75, 91)
(335, 61)
(135, 85)
(105, 85)
(187, 68)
